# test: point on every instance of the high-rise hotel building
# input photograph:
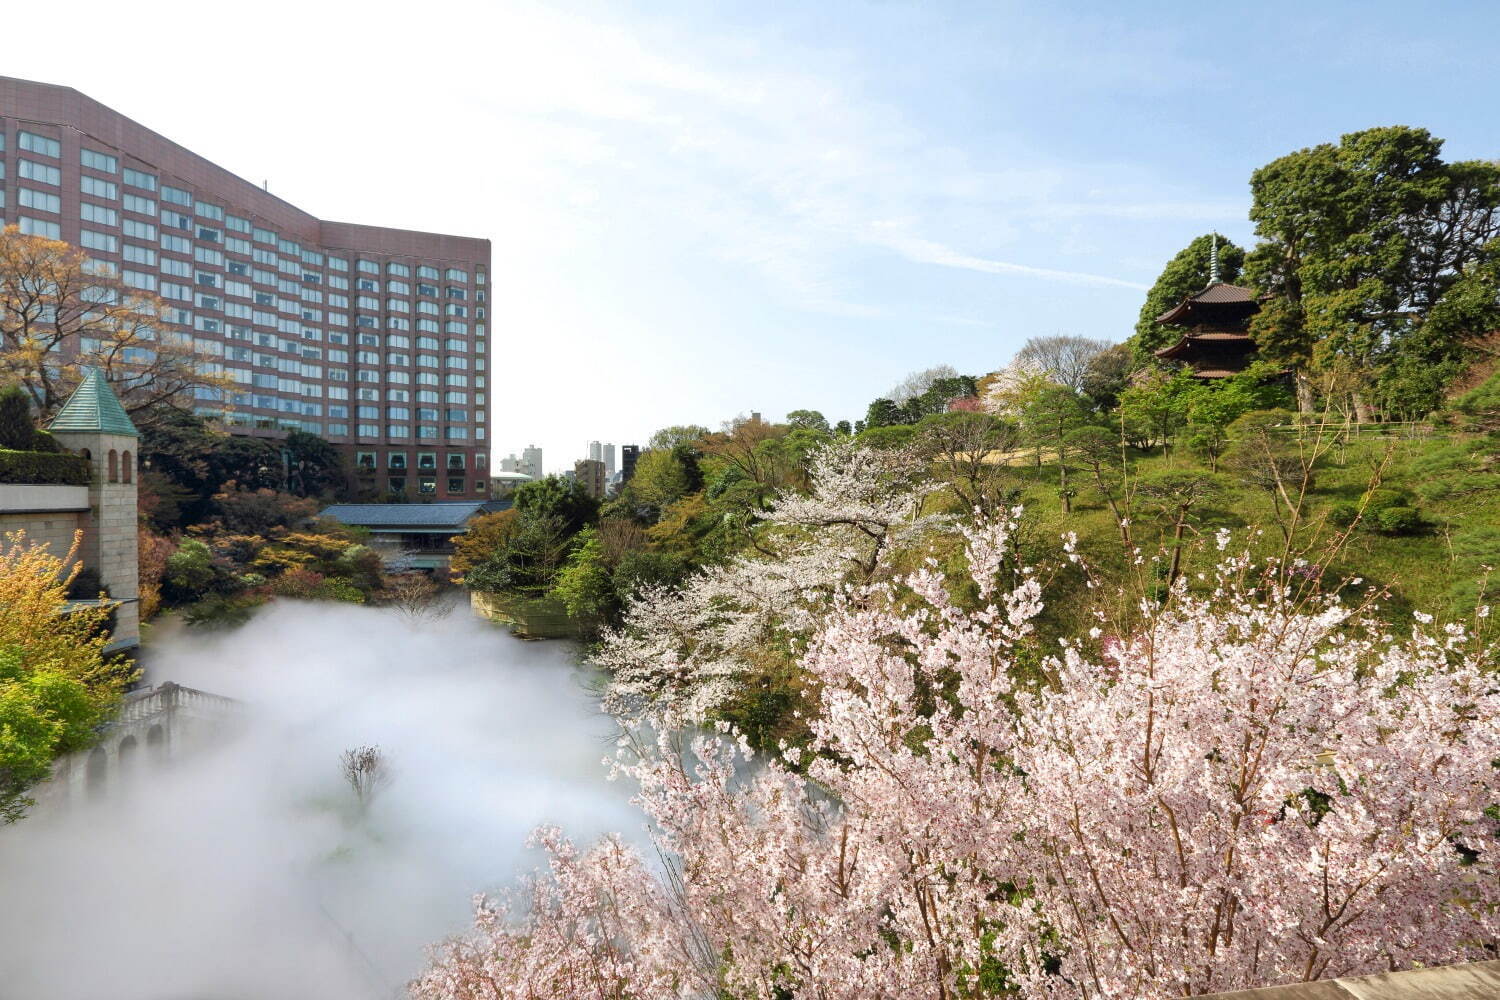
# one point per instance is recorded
(376, 339)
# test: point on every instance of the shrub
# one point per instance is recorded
(43, 468)
(17, 430)
(1343, 513)
(1398, 520)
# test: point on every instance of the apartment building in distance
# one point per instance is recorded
(376, 339)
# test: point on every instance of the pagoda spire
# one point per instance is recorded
(1213, 260)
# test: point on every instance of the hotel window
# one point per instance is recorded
(426, 484)
(368, 431)
(457, 293)
(99, 161)
(265, 236)
(455, 485)
(33, 171)
(397, 431)
(40, 200)
(454, 274)
(427, 432)
(140, 179)
(479, 277)
(210, 234)
(456, 380)
(237, 224)
(141, 280)
(98, 241)
(428, 415)
(426, 460)
(393, 340)
(456, 310)
(397, 484)
(99, 214)
(289, 247)
(398, 287)
(427, 271)
(368, 266)
(208, 211)
(364, 459)
(397, 413)
(176, 196)
(426, 289)
(139, 255)
(427, 344)
(33, 143)
(456, 416)
(430, 308)
(177, 244)
(236, 245)
(396, 460)
(456, 397)
(399, 270)
(338, 264)
(141, 206)
(176, 220)
(176, 268)
(456, 461)
(397, 305)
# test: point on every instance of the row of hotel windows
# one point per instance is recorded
(427, 461)
(109, 191)
(300, 310)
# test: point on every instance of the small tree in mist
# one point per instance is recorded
(367, 771)
(416, 597)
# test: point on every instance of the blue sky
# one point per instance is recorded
(700, 209)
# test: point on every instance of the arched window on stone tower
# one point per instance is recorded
(126, 467)
(114, 466)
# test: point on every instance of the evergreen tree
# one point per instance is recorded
(17, 432)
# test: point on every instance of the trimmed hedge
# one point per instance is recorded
(39, 468)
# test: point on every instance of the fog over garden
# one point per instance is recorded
(243, 868)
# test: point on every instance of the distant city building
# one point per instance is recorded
(531, 462)
(510, 463)
(609, 461)
(590, 473)
(629, 455)
(372, 338)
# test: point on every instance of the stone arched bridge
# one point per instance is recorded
(151, 726)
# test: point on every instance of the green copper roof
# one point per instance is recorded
(93, 407)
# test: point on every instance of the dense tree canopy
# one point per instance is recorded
(1362, 241)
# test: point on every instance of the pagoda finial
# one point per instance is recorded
(1213, 261)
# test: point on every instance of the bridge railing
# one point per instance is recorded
(138, 706)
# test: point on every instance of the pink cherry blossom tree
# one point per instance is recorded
(683, 651)
(1250, 786)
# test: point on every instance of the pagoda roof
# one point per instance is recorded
(94, 408)
(1218, 298)
(1216, 343)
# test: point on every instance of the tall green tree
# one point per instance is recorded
(1185, 274)
(1362, 241)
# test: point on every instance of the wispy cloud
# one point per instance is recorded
(927, 252)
